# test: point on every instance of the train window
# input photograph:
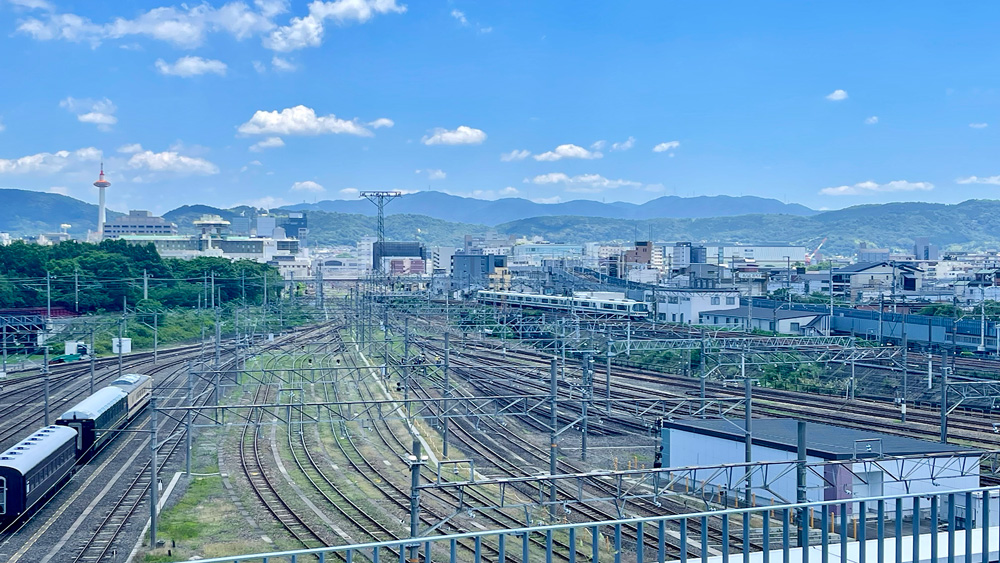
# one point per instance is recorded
(608, 306)
(3, 495)
(621, 307)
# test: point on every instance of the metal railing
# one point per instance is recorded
(951, 526)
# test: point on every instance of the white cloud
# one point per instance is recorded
(979, 125)
(664, 147)
(458, 15)
(433, 173)
(268, 143)
(283, 65)
(599, 145)
(583, 183)
(49, 163)
(260, 67)
(464, 22)
(188, 26)
(171, 161)
(509, 191)
(2, 127)
(300, 120)
(624, 145)
(99, 112)
(869, 187)
(307, 31)
(266, 202)
(131, 148)
(515, 155)
(567, 151)
(553, 199)
(32, 4)
(191, 66)
(871, 120)
(994, 180)
(307, 186)
(463, 135)
(837, 95)
(61, 190)
(381, 122)
(349, 192)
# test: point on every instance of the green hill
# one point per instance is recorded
(30, 213)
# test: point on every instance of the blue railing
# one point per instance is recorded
(951, 526)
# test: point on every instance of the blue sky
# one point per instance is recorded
(271, 102)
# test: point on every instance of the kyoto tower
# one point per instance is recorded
(101, 184)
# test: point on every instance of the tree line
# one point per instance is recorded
(88, 278)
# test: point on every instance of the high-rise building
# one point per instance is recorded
(924, 250)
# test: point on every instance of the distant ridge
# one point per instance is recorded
(27, 212)
(494, 212)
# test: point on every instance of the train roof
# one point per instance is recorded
(94, 405)
(32, 450)
(130, 381)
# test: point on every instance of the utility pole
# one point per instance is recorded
(213, 290)
(447, 392)
(145, 285)
(187, 420)
(585, 398)
(48, 298)
(121, 324)
(156, 336)
(415, 462)
(45, 379)
(153, 492)
(553, 433)
(92, 360)
(218, 339)
(76, 290)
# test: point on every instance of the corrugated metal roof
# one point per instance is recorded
(33, 449)
(94, 405)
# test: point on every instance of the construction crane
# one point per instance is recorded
(811, 255)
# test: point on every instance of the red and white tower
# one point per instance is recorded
(101, 184)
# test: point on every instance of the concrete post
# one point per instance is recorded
(187, 421)
(45, 378)
(553, 430)
(415, 464)
(444, 409)
(800, 481)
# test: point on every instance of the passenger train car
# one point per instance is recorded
(598, 303)
(36, 466)
(96, 417)
(33, 468)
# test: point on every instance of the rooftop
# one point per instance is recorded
(824, 441)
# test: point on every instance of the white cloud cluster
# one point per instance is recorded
(302, 120)
(49, 162)
(464, 21)
(837, 95)
(171, 161)
(871, 120)
(307, 31)
(992, 180)
(191, 66)
(307, 186)
(188, 26)
(624, 145)
(664, 147)
(583, 183)
(515, 155)
(268, 143)
(433, 173)
(283, 65)
(463, 135)
(99, 112)
(567, 151)
(349, 192)
(130, 148)
(870, 187)
(381, 122)
(980, 125)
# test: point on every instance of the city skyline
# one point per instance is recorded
(270, 103)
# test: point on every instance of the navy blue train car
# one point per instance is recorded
(139, 388)
(93, 417)
(33, 468)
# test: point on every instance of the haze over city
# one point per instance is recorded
(271, 102)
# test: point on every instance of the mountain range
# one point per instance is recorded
(494, 212)
(969, 225)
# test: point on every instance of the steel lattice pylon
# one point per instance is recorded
(381, 199)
